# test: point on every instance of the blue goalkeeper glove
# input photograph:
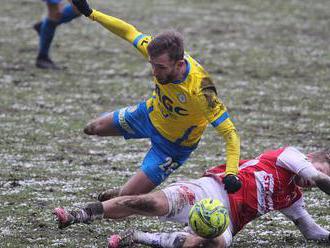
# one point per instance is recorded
(83, 7)
(232, 183)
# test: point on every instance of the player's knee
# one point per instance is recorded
(54, 14)
(90, 129)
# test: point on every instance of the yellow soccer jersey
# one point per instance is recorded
(179, 113)
(181, 110)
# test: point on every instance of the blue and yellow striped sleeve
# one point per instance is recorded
(216, 114)
(124, 30)
(141, 42)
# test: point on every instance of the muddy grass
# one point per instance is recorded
(270, 61)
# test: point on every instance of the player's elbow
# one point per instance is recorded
(228, 132)
(232, 136)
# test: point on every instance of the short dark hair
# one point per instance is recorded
(170, 42)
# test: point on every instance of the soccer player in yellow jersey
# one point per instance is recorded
(183, 103)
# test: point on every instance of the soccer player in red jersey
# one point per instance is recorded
(271, 182)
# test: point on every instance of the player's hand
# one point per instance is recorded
(232, 183)
(83, 7)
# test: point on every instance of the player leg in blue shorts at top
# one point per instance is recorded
(58, 13)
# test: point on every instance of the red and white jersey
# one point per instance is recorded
(268, 184)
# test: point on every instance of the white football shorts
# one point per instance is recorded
(182, 195)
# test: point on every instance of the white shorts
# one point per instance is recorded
(181, 196)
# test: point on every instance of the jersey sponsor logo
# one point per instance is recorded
(168, 104)
(265, 190)
(181, 98)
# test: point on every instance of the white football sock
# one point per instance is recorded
(164, 240)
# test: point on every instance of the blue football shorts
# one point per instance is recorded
(164, 156)
(53, 1)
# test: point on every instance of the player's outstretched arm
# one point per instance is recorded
(311, 171)
(228, 131)
(316, 178)
(216, 113)
(114, 25)
(305, 223)
(311, 230)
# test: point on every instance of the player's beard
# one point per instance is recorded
(169, 78)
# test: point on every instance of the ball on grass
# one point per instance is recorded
(208, 218)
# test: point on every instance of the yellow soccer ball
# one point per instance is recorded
(208, 218)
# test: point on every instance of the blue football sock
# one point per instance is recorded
(68, 14)
(47, 31)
